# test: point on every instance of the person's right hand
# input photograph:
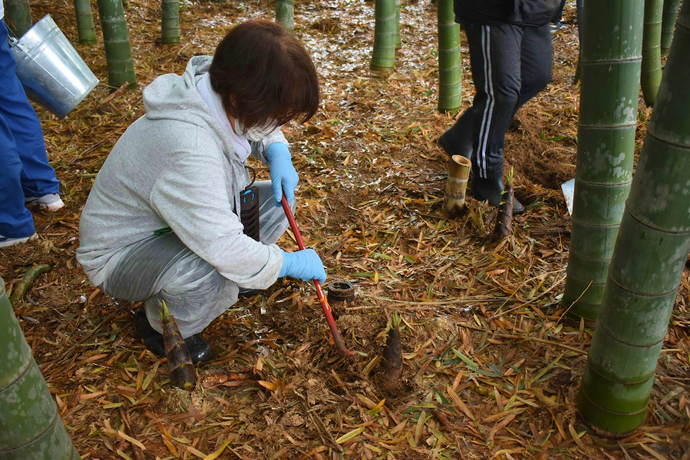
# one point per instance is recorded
(305, 265)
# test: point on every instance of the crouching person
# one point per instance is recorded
(162, 221)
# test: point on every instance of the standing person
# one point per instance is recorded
(26, 178)
(511, 57)
(162, 221)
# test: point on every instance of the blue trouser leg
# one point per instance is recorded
(37, 176)
(15, 220)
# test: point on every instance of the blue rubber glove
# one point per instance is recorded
(284, 177)
(305, 265)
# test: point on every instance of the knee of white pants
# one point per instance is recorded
(193, 302)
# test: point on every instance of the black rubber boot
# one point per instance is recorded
(491, 190)
(198, 347)
(518, 207)
(458, 139)
(487, 189)
(248, 293)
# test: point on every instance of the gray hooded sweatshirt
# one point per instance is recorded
(175, 167)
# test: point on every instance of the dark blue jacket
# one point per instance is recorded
(532, 13)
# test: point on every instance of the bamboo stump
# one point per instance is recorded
(454, 196)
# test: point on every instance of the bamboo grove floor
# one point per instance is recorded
(491, 367)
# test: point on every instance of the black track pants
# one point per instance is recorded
(510, 65)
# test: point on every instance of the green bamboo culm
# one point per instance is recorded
(383, 56)
(118, 51)
(18, 16)
(398, 37)
(30, 426)
(610, 87)
(285, 13)
(648, 260)
(668, 23)
(651, 50)
(87, 31)
(449, 59)
(170, 22)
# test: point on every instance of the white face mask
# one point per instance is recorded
(256, 133)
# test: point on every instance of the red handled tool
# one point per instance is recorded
(319, 292)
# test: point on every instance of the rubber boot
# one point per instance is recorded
(458, 139)
(491, 190)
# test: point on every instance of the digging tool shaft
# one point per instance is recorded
(319, 291)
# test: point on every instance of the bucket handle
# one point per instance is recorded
(11, 38)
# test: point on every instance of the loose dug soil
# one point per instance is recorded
(489, 368)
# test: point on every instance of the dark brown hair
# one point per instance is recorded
(262, 72)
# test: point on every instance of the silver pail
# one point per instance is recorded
(51, 71)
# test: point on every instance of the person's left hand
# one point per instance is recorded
(284, 177)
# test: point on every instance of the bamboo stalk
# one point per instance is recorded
(170, 22)
(30, 427)
(398, 37)
(18, 16)
(118, 51)
(610, 63)
(449, 59)
(383, 56)
(668, 23)
(87, 31)
(651, 50)
(285, 13)
(648, 261)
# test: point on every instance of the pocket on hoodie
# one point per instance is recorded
(534, 13)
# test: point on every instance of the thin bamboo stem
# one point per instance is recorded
(118, 51)
(651, 50)
(668, 23)
(18, 16)
(87, 31)
(285, 13)
(449, 59)
(383, 56)
(170, 22)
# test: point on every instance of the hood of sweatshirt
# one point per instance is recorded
(175, 97)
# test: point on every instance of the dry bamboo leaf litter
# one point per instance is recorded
(489, 368)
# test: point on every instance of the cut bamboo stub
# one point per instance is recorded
(454, 197)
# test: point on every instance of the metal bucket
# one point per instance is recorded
(51, 71)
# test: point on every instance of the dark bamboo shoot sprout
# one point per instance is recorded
(391, 368)
(504, 218)
(180, 367)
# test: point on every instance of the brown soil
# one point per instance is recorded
(535, 159)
